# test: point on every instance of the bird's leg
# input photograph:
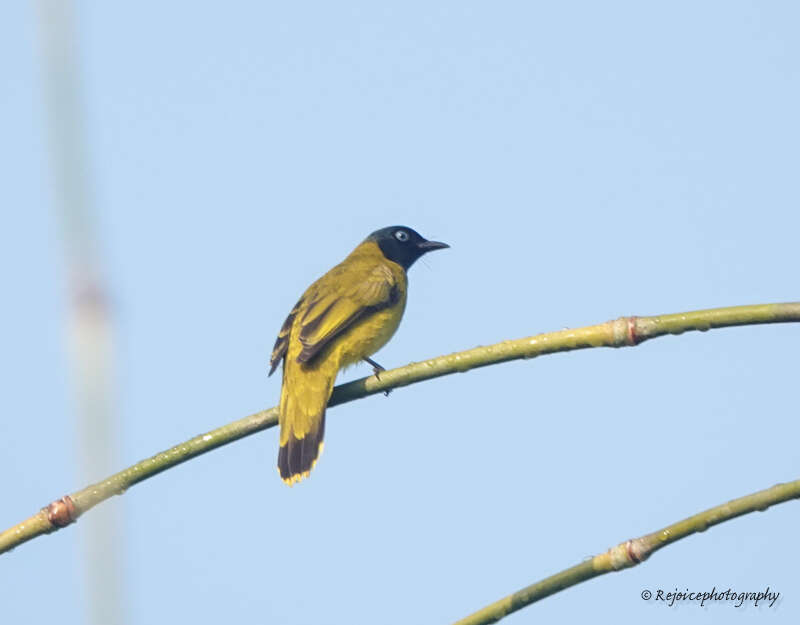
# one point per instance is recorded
(376, 369)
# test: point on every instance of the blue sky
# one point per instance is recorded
(584, 160)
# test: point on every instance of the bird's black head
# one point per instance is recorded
(403, 245)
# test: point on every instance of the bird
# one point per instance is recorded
(343, 318)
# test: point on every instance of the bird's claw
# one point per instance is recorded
(376, 370)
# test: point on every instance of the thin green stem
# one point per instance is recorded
(626, 331)
(632, 552)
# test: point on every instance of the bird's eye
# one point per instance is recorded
(401, 235)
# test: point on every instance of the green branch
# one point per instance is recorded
(626, 331)
(632, 552)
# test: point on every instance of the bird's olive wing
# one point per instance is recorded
(282, 342)
(333, 309)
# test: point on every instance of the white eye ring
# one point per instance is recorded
(401, 235)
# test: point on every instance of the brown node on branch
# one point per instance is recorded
(62, 512)
(637, 551)
(633, 339)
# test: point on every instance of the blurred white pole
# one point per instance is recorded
(89, 324)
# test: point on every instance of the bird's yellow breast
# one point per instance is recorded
(370, 334)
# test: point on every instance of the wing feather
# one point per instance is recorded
(282, 342)
(330, 312)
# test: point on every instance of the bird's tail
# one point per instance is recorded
(302, 420)
(299, 455)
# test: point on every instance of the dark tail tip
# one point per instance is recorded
(299, 455)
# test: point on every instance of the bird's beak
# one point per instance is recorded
(429, 246)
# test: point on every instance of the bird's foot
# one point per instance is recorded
(376, 369)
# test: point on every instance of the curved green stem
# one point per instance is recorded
(622, 332)
(632, 552)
